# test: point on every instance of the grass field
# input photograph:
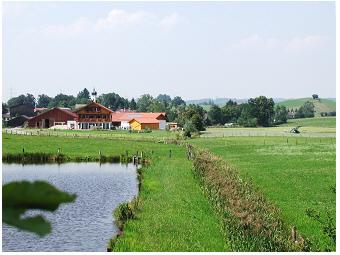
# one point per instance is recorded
(297, 175)
(322, 105)
(294, 170)
(169, 219)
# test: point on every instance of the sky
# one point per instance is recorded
(195, 50)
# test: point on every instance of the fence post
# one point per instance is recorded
(294, 234)
(169, 153)
(23, 150)
(58, 150)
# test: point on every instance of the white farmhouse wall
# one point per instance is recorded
(162, 124)
(125, 124)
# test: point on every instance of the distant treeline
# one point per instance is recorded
(193, 117)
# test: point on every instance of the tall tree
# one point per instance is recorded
(160, 98)
(4, 108)
(29, 100)
(62, 100)
(83, 97)
(177, 101)
(133, 105)
(214, 114)
(43, 101)
(144, 102)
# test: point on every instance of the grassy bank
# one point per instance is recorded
(174, 215)
(297, 175)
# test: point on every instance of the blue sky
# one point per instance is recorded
(190, 49)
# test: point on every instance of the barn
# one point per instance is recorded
(53, 117)
(139, 120)
(142, 123)
(21, 109)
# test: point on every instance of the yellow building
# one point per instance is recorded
(142, 123)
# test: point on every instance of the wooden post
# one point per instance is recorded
(294, 234)
(287, 140)
(141, 154)
(100, 153)
(169, 153)
(23, 150)
(58, 150)
(127, 153)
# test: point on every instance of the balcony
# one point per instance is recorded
(92, 120)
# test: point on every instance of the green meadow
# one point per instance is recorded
(174, 216)
(295, 171)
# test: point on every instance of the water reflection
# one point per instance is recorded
(86, 224)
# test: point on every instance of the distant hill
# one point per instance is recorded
(223, 101)
(321, 104)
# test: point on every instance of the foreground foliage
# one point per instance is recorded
(18, 197)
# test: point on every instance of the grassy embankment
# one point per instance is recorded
(297, 175)
(174, 216)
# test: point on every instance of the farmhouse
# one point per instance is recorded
(94, 115)
(63, 117)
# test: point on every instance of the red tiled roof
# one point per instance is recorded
(145, 120)
(137, 116)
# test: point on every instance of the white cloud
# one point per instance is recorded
(298, 44)
(247, 43)
(169, 21)
(118, 18)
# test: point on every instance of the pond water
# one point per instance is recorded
(85, 225)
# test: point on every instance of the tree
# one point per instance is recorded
(83, 97)
(4, 108)
(281, 114)
(133, 105)
(177, 101)
(62, 100)
(113, 101)
(307, 110)
(161, 97)
(262, 109)
(197, 121)
(315, 96)
(144, 102)
(214, 114)
(43, 101)
(29, 100)
(199, 109)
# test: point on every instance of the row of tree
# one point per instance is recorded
(256, 112)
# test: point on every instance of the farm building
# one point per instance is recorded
(174, 126)
(18, 121)
(63, 117)
(140, 120)
(94, 115)
(21, 109)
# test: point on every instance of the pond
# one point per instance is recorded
(85, 225)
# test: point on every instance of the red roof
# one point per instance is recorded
(145, 120)
(138, 115)
(102, 106)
